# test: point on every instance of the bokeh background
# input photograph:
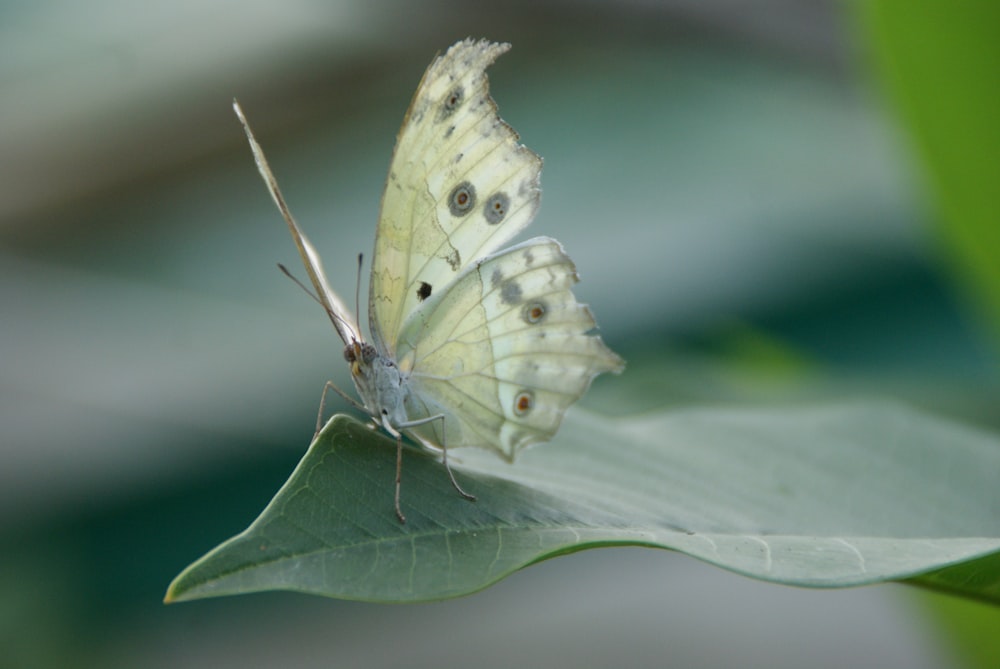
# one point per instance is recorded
(754, 200)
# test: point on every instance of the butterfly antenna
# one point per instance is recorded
(357, 286)
(330, 312)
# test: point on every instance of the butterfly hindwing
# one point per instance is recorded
(460, 185)
(503, 352)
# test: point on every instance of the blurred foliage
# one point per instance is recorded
(940, 62)
(972, 627)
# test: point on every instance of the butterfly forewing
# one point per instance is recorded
(460, 185)
(341, 317)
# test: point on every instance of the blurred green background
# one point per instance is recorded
(787, 201)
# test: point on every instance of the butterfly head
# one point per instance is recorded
(359, 355)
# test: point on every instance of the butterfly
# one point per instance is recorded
(472, 345)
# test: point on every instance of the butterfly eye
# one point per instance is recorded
(368, 353)
(496, 208)
(462, 199)
(535, 312)
(524, 402)
(349, 353)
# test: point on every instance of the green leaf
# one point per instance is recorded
(939, 61)
(827, 497)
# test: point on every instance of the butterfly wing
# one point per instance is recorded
(503, 352)
(342, 319)
(459, 186)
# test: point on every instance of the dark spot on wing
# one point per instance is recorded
(535, 312)
(511, 292)
(424, 291)
(524, 402)
(452, 102)
(496, 208)
(462, 199)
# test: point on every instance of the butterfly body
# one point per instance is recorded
(379, 383)
(472, 344)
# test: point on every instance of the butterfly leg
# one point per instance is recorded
(330, 385)
(447, 467)
(399, 462)
(399, 474)
(444, 452)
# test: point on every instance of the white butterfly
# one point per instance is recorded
(472, 346)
